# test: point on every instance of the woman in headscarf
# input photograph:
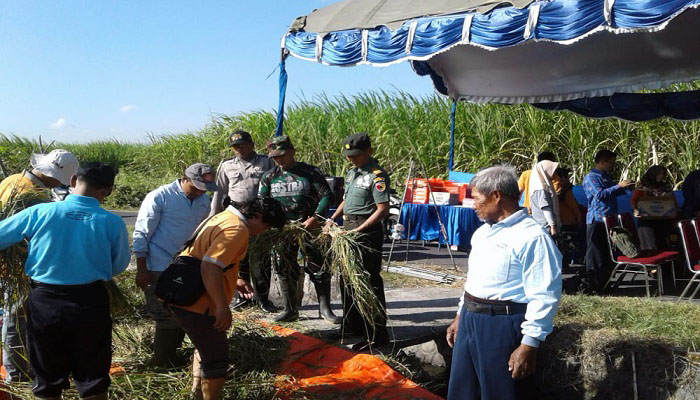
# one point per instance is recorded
(691, 194)
(544, 202)
(656, 208)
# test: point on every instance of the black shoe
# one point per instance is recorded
(267, 306)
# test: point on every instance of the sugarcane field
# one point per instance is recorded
(350, 199)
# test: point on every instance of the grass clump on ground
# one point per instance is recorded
(608, 347)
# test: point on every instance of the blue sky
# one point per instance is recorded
(85, 70)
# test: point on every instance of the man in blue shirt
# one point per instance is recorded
(167, 218)
(601, 192)
(74, 247)
(510, 298)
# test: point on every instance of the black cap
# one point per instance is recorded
(356, 144)
(239, 137)
(279, 145)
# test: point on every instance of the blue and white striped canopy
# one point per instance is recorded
(512, 52)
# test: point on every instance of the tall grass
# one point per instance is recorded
(402, 127)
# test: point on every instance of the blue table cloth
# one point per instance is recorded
(460, 223)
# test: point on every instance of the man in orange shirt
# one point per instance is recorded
(221, 245)
(524, 180)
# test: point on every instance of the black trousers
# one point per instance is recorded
(372, 262)
(69, 332)
(599, 265)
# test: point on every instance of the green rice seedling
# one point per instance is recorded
(344, 258)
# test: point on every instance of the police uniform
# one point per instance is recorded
(238, 180)
(303, 192)
(365, 187)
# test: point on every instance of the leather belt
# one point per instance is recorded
(493, 307)
(36, 284)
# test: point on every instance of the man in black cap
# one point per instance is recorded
(365, 205)
(305, 196)
(237, 180)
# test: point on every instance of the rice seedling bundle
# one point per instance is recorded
(342, 252)
(344, 258)
(13, 280)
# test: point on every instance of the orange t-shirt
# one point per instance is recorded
(223, 241)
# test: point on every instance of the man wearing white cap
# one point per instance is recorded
(29, 187)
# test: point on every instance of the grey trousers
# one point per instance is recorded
(162, 317)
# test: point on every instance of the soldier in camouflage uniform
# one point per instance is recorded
(237, 181)
(305, 196)
(364, 207)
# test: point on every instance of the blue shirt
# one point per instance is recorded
(600, 191)
(71, 242)
(515, 260)
(165, 221)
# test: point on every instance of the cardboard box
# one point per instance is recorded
(444, 198)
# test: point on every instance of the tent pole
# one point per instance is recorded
(452, 135)
(283, 93)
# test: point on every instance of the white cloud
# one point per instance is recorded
(127, 108)
(59, 123)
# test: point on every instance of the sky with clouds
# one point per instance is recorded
(85, 70)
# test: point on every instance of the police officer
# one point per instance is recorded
(237, 180)
(305, 196)
(365, 205)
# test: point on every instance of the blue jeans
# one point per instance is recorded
(480, 358)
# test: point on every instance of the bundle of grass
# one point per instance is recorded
(14, 282)
(344, 258)
(273, 242)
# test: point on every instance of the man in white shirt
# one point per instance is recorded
(510, 297)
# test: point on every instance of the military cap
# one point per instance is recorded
(239, 137)
(355, 144)
(279, 145)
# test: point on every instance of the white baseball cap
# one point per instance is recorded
(58, 164)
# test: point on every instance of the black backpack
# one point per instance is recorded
(181, 283)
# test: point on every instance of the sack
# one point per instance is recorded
(181, 283)
(624, 242)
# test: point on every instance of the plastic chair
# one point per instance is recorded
(638, 265)
(627, 222)
(691, 246)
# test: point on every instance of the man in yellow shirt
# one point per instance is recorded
(48, 171)
(29, 188)
(524, 180)
(221, 245)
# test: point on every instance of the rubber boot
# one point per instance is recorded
(290, 312)
(165, 345)
(323, 292)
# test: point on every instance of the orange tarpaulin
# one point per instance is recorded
(321, 368)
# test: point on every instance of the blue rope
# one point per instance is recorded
(283, 94)
(452, 134)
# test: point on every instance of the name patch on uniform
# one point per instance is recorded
(380, 186)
